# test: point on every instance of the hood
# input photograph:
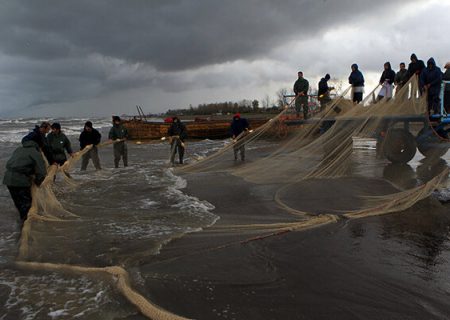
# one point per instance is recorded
(30, 144)
(432, 62)
(413, 56)
(355, 66)
(388, 64)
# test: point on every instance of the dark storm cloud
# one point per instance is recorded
(65, 51)
(169, 35)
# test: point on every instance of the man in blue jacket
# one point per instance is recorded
(356, 79)
(430, 82)
(238, 127)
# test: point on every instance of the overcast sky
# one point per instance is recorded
(98, 57)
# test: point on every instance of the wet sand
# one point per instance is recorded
(387, 267)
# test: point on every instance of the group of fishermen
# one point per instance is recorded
(28, 163)
(430, 78)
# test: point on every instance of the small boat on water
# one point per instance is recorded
(199, 128)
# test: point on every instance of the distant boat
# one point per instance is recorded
(200, 128)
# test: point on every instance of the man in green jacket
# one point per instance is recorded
(58, 144)
(301, 87)
(119, 132)
(25, 166)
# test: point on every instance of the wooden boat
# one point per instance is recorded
(139, 129)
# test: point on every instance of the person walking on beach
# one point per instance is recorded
(386, 81)
(416, 66)
(301, 87)
(59, 144)
(446, 77)
(239, 128)
(178, 134)
(119, 132)
(323, 94)
(430, 82)
(90, 136)
(401, 77)
(39, 135)
(356, 79)
(25, 166)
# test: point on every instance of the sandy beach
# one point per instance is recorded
(387, 267)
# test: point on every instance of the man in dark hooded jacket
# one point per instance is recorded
(356, 79)
(119, 132)
(90, 136)
(386, 81)
(239, 126)
(25, 166)
(430, 82)
(178, 135)
(416, 66)
(38, 135)
(323, 93)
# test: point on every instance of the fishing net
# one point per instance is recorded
(320, 152)
(308, 173)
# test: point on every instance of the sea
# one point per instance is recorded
(127, 214)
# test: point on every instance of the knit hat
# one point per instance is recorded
(88, 124)
(447, 65)
(237, 115)
(56, 126)
(116, 118)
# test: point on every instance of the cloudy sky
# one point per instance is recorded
(99, 57)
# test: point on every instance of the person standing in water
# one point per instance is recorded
(238, 127)
(59, 144)
(119, 132)
(90, 136)
(178, 134)
(39, 135)
(25, 167)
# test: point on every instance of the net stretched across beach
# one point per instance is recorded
(311, 173)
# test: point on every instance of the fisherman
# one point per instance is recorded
(178, 135)
(119, 132)
(430, 82)
(446, 77)
(38, 135)
(356, 79)
(59, 144)
(386, 81)
(301, 87)
(416, 66)
(25, 166)
(323, 94)
(239, 128)
(401, 77)
(90, 136)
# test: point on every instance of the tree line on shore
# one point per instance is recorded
(266, 105)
